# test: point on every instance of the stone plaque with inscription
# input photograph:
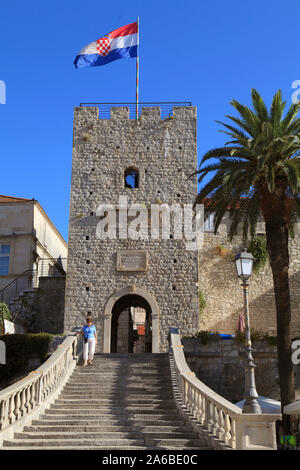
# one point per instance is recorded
(132, 260)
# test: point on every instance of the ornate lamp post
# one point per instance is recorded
(244, 263)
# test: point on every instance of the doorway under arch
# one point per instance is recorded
(128, 335)
(120, 303)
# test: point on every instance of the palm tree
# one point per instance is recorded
(258, 172)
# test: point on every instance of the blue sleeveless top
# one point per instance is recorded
(89, 331)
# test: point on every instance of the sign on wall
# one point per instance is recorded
(132, 260)
(11, 328)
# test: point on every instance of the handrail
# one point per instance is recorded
(166, 107)
(49, 267)
(14, 287)
(224, 421)
(25, 396)
(16, 278)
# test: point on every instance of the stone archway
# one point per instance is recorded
(137, 291)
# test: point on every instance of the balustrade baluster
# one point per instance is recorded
(43, 388)
(22, 395)
(197, 405)
(27, 402)
(200, 411)
(221, 430)
(210, 422)
(4, 413)
(185, 397)
(17, 410)
(11, 407)
(194, 402)
(232, 441)
(32, 394)
(190, 398)
(215, 418)
(39, 391)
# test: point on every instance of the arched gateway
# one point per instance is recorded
(118, 302)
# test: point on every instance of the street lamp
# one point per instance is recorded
(244, 264)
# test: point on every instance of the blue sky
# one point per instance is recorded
(204, 52)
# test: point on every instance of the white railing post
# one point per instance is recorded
(22, 399)
(226, 423)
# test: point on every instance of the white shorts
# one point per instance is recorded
(89, 349)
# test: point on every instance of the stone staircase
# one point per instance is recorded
(122, 401)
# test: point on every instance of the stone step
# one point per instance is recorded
(130, 356)
(120, 402)
(114, 390)
(108, 408)
(129, 365)
(112, 412)
(58, 443)
(149, 420)
(105, 436)
(115, 393)
(113, 377)
(91, 370)
(111, 401)
(120, 383)
(133, 369)
(72, 448)
(98, 367)
(105, 444)
(114, 397)
(106, 429)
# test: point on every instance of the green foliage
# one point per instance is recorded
(19, 348)
(259, 164)
(258, 248)
(222, 251)
(4, 314)
(206, 336)
(256, 336)
(202, 301)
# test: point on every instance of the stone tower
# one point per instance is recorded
(144, 161)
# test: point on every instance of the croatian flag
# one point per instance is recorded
(122, 43)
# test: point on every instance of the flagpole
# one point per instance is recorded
(137, 70)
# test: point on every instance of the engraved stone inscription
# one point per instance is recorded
(132, 260)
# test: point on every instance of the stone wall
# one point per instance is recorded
(41, 309)
(50, 305)
(219, 364)
(33, 362)
(223, 292)
(164, 153)
(23, 309)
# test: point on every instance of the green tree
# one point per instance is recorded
(258, 172)
(4, 315)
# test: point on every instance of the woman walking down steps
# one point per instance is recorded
(90, 341)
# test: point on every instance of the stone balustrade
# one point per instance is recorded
(225, 424)
(293, 408)
(20, 402)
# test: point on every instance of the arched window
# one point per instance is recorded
(131, 178)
